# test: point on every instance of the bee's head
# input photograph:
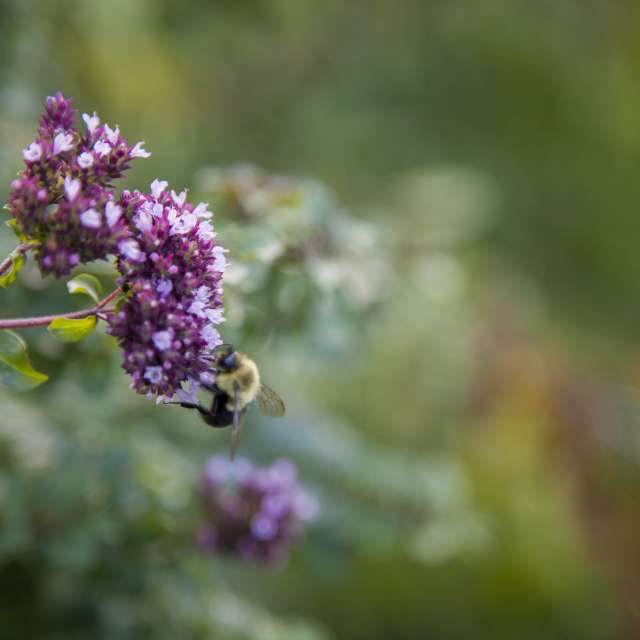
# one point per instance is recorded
(227, 358)
(230, 363)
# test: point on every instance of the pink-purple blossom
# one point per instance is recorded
(85, 160)
(92, 122)
(70, 230)
(32, 153)
(64, 198)
(167, 322)
(169, 263)
(254, 513)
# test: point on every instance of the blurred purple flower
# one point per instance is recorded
(254, 513)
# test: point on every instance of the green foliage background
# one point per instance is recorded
(444, 292)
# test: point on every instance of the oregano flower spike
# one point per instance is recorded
(65, 209)
(171, 270)
(63, 198)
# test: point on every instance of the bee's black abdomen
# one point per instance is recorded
(219, 416)
(222, 419)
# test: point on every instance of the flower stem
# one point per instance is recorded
(21, 248)
(43, 321)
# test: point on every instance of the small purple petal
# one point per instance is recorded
(138, 152)
(102, 148)
(211, 336)
(157, 187)
(62, 142)
(153, 374)
(164, 287)
(71, 188)
(85, 160)
(162, 340)
(190, 393)
(91, 219)
(201, 211)
(113, 135)
(32, 153)
(92, 122)
(144, 221)
(180, 198)
(131, 249)
(112, 212)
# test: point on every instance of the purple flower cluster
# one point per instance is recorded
(252, 513)
(170, 266)
(171, 272)
(64, 199)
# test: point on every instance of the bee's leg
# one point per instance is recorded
(235, 430)
(204, 412)
(209, 387)
(213, 419)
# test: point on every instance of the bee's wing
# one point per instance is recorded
(225, 347)
(238, 421)
(269, 402)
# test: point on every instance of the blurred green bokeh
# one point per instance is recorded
(431, 211)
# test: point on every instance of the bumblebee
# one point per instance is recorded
(237, 385)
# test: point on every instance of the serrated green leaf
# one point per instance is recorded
(15, 227)
(16, 372)
(72, 330)
(17, 262)
(87, 284)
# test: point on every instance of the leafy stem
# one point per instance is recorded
(21, 249)
(43, 321)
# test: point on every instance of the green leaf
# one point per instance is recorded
(72, 330)
(17, 262)
(15, 227)
(16, 372)
(259, 245)
(120, 300)
(87, 284)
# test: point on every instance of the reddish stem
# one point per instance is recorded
(43, 321)
(21, 248)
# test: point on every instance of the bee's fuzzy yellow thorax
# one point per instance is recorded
(247, 379)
